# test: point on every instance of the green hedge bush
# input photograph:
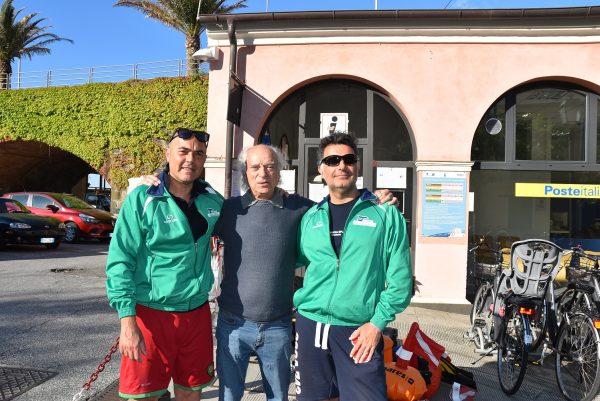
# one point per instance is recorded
(116, 128)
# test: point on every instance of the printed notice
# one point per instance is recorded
(287, 181)
(391, 177)
(444, 205)
(316, 192)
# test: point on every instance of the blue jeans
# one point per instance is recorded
(271, 341)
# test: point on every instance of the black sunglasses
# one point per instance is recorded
(334, 160)
(186, 134)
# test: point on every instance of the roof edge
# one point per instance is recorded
(466, 14)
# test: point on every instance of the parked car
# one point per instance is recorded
(99, 201)
(19, 226)
(81, 219)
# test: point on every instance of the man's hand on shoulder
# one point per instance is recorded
(385, 195)
(131, 342)
(150, 180)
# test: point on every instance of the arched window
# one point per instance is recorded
(543, 125)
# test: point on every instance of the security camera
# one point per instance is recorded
(208, 54)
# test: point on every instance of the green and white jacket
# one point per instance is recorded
(372, 279)
(153, 259)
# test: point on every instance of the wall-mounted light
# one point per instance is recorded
(207, 54)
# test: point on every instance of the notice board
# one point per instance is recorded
(444, 204)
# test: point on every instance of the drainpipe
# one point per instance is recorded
(230, 125)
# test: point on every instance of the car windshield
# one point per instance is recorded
(72, 202)
(12, 206)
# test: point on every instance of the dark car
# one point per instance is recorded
(99, 201)
(81, 219)
(19, 226)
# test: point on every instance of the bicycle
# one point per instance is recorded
(521, 295)
(577, 345)
(572, 318)
(486, 274)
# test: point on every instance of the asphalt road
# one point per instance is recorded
(54, 316)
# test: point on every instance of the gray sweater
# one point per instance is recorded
(260, 254)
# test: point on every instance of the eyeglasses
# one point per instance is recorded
(186, 134)
(334, 160)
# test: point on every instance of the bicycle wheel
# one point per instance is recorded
(512, 354)
(578, 359)
(481, 303)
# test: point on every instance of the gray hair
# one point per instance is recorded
(242, 166)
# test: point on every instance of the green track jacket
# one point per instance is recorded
(372, 279)
(153, 260)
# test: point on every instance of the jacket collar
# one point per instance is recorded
(199, 187)
(277, 200)
(365, 195)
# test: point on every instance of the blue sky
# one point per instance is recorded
(104, 35)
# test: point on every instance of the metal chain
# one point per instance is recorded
(99, 369)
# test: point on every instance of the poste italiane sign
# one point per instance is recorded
(540, 190)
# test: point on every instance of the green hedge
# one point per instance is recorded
(110, 126)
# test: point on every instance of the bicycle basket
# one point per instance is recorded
(580, 269)
(485, 271)
(579, 274)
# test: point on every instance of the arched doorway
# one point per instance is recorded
(537, 160)
(340, 105)
(36, 166)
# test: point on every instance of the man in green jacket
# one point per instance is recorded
(358, 277)
(159, 275)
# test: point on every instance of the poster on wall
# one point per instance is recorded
(444, 204)
(333, 122)
(391, 177)
(316, 192)
(287, 181)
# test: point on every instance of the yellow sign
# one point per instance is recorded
(539, 190)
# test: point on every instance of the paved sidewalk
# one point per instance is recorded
(445, 324)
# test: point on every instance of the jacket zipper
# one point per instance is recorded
(189, 231)
(338, 259)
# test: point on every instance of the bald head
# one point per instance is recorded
(261, 166)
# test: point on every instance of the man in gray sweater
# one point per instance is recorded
(259, 229)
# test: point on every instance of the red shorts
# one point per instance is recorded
(179, 345)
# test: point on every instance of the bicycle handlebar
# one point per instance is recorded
(582, 254)
(487, 248)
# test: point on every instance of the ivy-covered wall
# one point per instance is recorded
(113, 127)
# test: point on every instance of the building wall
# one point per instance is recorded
(443, 89)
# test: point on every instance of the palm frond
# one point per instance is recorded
(23, 37)
(180, 14)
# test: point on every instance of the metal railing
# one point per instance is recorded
(86, 75)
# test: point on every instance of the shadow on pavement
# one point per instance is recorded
(36, 252)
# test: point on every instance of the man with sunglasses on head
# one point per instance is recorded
(159, 275)
(358, 278)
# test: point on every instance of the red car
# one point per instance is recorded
(81, 219)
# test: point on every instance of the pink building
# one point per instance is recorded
(483, 122)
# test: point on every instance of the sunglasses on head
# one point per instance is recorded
(186, 134)
(334, 160)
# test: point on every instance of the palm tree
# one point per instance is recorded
(18, 38)
(181, 16)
